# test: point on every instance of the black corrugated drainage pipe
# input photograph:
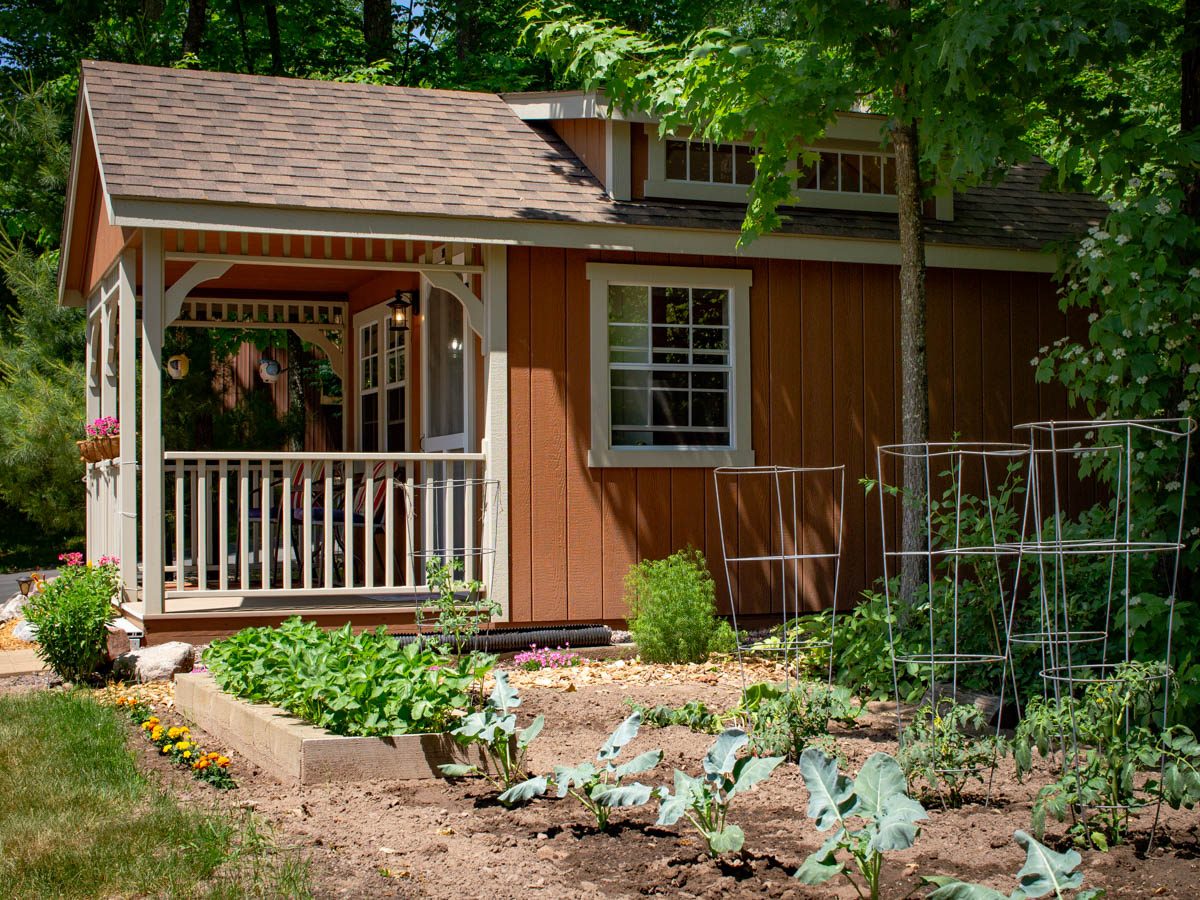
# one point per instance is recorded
(501, 640)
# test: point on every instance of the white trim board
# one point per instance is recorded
(138, 213)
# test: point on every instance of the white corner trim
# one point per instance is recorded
(618, 167)
(738, 281)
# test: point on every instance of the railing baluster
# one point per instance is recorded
(202, 526)
(243, 541)
(285, 522)
(348, 529)
(328, 523)
(469, 487)
(410, 516)
(368, 524)
(389, 518)
(451, 519)
(179, 514)
(265, 528)
(306, 522)
(428, 547)
(223, 525)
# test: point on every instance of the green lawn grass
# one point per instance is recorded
(77, 819)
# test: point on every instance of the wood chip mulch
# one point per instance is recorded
(719, 670)
(8, 642)
(158, 694)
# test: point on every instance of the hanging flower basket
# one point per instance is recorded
(89, 451)
(103, 440)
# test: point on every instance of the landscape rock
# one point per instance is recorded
(116, 643)
(12, 608)
(156, 663)
(25, 631)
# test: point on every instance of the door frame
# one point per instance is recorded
(459, 441)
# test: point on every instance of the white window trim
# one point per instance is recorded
(602, 454)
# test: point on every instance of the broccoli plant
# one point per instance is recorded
(705, 801)
(494, 730)
(1045, 873)
(600, 789)
(876, 795)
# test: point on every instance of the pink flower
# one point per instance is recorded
(73, 558)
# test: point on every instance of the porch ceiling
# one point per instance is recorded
(246, 281)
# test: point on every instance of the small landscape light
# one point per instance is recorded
(25, 584)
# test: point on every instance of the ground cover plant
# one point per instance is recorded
(493, 729)
(877, 796)
(945, 747)
(99, 828)
(705, 801)
(693, 715)
(351, 684)
(1108, 741)
(537, 658)
(70, 613)
(672, 610)
(599, 788)
(176, 743)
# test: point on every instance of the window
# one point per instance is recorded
(382, 384)
(705, 163)
(670, 366)
(838, 171)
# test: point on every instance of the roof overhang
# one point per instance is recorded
(142, 213)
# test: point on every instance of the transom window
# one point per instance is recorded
(670, 372)
(706, 163)
(840, 171)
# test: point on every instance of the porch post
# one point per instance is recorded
(495, 443)
(92, 409)
(127, 415)
(153, 276)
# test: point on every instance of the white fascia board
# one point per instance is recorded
(139, 213)
(541, 106)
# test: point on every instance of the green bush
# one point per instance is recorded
(672, 610)
(351, 684)
(70, 613)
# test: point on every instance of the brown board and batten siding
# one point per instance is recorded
(824, 374)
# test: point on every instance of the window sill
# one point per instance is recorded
(665, 458)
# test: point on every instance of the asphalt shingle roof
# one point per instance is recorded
(175, 134)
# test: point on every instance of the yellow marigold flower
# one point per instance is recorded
(223, 761)
(166, 747)
(187, 754)
(183, 745)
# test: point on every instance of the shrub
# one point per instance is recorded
(783, 722)
(70, 613)
(672, 609)
(351, 684)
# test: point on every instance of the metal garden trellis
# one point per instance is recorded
(788, 546)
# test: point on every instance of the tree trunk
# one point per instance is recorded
(914, 390)
(377, 29)
(272, 17)
(193, 32)
(248, 60)
(1189, 107)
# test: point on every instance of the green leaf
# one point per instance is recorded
(953, 889)
(830, 796)
(728, 840)
(720, 756)
(672, 806)
(504, 696)
(578, 776)
(524, 792)
(455, 770)
(623, 795)
(880, 779)
(622, 735)
(750, 770)
(526, 736)
(643, 762)
(895, 828)
(822, 865)
(1045, 870)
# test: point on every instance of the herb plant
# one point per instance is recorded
(943, 750)
(876, 796)
(457, 620)
(673, 613)
(693, 715)
(350, 684)
(494, 730)
(70, 613)
(1045, 872)
(1106, 738)
(600, 789)
(705, 801)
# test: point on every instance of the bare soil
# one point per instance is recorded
(452, 840)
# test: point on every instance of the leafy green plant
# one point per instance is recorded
(876, 796)
(705, 801)
(782, 722)
(1106, 738)
(457, 620)
(493, 730)
(1045, 872)
(351, 684)
(600, 789)
(70, 613)
(693, 715)
(672, 609)
(944, 749)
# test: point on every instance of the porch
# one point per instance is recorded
(340, 523)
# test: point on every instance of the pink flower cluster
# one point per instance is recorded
(536, 658)
(109, 561)
(105, 426)
(74, 558)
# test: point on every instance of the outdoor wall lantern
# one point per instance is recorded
(177, 366)
(268, 370)
(403, 308)
(25, 585)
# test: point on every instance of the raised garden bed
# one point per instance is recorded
(293, 750)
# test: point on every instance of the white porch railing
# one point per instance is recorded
(102, 481)
(319, 524)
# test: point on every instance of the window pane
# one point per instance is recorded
(630, 407)
(677, 160)
(710, 381)
(395, 420)
(850, 166)
(709, 306)
(630, 378)
(677, 380)
(671, 338)
(745, 165)
(368, 418)
(723, 164)
(710, 339)
(698, 153)
(709, 410)
(829, 172)
(670, 306)
(889, 175)
(670, 408)
(670, 357)
(627, 303)
(872, 174)
(807, 180)
(632, 439)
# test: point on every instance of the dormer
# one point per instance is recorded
(847, 169)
